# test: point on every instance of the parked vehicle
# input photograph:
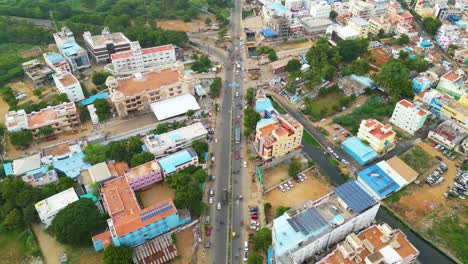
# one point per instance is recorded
(218, 206)
(290, 184)
(208, 244)
(208, 231)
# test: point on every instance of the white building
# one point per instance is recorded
(408, 116)
(142, 60)
(99, 172)
(299, 234)
(320, 9)
(293, 4)
(75, 55)
(447, 34)
(170, 142)
(100, 47)
(48, 208)
(338, 32)
(360, 25)
(362, 9)
(68, 84)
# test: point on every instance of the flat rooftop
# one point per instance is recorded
(174, 106)
(142, 170)
(50, 114)
(56, 202)
(169, 163)
(378, 180)
(156, 250)
(150, 81)
(194, 130)
(117, 38)
(402, 168)
(66, 79)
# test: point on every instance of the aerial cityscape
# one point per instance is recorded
(233, 131)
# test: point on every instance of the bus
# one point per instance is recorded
(238, 134)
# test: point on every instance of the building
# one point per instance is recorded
(316, 27)
(424, 8)
(139, 59)
(157, 250)
(62, 118)
(280, 25)
(75, 55)
(101, 47)
(354, 84)
(448, 134)
(406, 29)
(424, 81)
(434, 100)
(56, 62)
(175, 106)
(386, 177)
(40, 177)
(377, 24)
(447, 34)
(48, 208)
(68, 84)
(278, 137)
(172, 141)
(441, 11)
(380, 138)
(301, 233)
(360, 25)
(38, 72)
(320, 9)
(66, 158)
(453, 83)
(362, 9)
(338, 33)
(128, 223)
(379, 7)
(359, 151)
(376, 244)
(455, 111)
(135, 93)
(31, 170)
(144, 175)
(408, 116)
(280, 65)
(99, 172)
(178, 161)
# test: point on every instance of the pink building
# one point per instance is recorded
(144, 176)
(398, 14)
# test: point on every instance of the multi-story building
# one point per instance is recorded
(320, 9)
(63, 117)
(301, 233)
(138, 59)
(75, 55)
(379, 7)
(293, 4)
(453, 83)
(128, 223)
(56, 62)
(441, 11)
(376, 244)
(338, 32)
(280, 25)
(380, 138)
(447, 34)
(143, 176)
(424, 8)
(68, 84)
(136, 93)
(360, 25)
(408, 116)
(48, 208)
(398, 15)
(101, 47)
(278, 137)
(434, 100)
(38, 72)
(178, 161)
(403, 28)
(455, 111)
(362, 9)
(316, 27)
(449, 134)
(376, 24)
(172, 141)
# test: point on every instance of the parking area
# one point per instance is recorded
(279, 173)
(312, 188)
(156, 193)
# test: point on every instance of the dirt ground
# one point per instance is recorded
(192, 26)
(155, 194)
(51, 249)
(184, 246)
(311, 189)
(23, 87)
(294, 45)
(275, 175)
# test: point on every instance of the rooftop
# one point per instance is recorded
(57, 150)
(56, 202)
(42, 118)
(72, 165)
(129, 53)
(117, 38)
(66, 79)
(93, 98)
(117, 168)
(150, 81)
(377, 129)
(450, 131)
(169, 163)
(170, 138)
(23, 165)
(378, 180)
(405, 171)
(451, 76)
(53, 57)
(360, 151)
(99, 172)
(407, 104)
(174, 106)
(156, 250)
(359, 21)
(142, 170)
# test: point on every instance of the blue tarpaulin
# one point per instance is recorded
(269, 33)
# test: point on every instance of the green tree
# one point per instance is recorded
(403, 55)
(250, 95)
(61, 98)
(254, 258)
(319, 56)
(200, 147)
(190, 113)
(250, 120)
(118, 151)
(201, 176)
(142, 158)
(215, 87)
(281, 210)
(45, 131)
(431, 25)
(134, 145)
(84, 113)
(37, 92)
(103, 109)
(272, 55)
(161, 129)
(77, 222)
(262, 239)
(208, 21)
(65, 183)
(333, 14)
(267, 206)
(95, 153)
(49, 190)
(13, 220)
(351, 49)
(402, 40)
(30, 214)
(293, 66)
(22, 138)
(394, 78)
(118, 255)
(360, 67)
(294, 169)
(346, 71)
(99, 78)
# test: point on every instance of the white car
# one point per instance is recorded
(330, 149)
(216, 140)
(245, 164)
(218, 206)
(290, 184)
(211, 200)
(286, 186)
(281, 188)
(246, 245)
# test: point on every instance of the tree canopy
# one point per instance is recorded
(251, 117)
(281, 210)
(431, 25)
(161, 128)
(323, 60)
(203, 64)
(187, 193)
(95, 153)
(103, 109)
(351, 49)
(76, 223)
(294, 169)
(402, 40)
(271, 53)
(250, 95)
(142, 158)
(394, 78)
(99, 78)
(262, 239)
(200, 147)
(293, 66)
(215, 87)
(118, 255)
(254, 258)
(45, 131)
(360, 67)
(22, 138)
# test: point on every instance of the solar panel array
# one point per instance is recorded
(354, 196)
(155, 211)
(307, 221)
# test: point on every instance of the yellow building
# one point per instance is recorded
(380, 138)
(376, 24)
(275, 138)
(456, 111)
(360, 25)
(424, 8)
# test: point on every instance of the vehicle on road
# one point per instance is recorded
(330, 149)
(234, 234)
(211, 192)
(245, 164)
(237, 155)
(253, 216)
(218, 206)
(246, 245)
(281, 188)
(238, 135)
(225, 196)
(208, 231)
(286, 186)
(439, 158)
(210, 200)
(208, 244)
(246, 254)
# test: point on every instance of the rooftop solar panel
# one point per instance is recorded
(308, 221)
(355, 196)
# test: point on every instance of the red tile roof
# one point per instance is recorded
(451, 76)
(157, 49)
(121, 55)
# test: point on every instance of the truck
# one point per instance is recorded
(225, 196)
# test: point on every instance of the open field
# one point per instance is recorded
(155, 194)
(294, 44)
(426, 209)
(17, 247)
(192, 26)
(418, 159)
(184, 244)
(311, 189)
(275, 175)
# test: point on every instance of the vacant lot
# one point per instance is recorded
(17, 247)
(294, 44)
(155, 194)
(418, 159)
(192, 26)
(324, 105)
(184, 244)
(311, 189)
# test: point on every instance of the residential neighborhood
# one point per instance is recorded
(278, 132)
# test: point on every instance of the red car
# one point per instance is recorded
(236, 120)
(237, 155)
(254, 216)
(208, 231)
(434, 144)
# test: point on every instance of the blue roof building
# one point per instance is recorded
(359, 151)
(53, 57)
(8, 168)
(263, 105)
(378, 181)
(178, 161)
(420, 84)
(269, 33)
(93, 98)
(72, 165)
(299, 234)
(278, 9)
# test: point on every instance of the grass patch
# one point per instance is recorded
(278, 107)
(16, 246)
(394, 198)
(246, 14)
(308, 139)
(418, 159)
(333, 162)
(328, 101)
(453, 233)
(83, 255)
